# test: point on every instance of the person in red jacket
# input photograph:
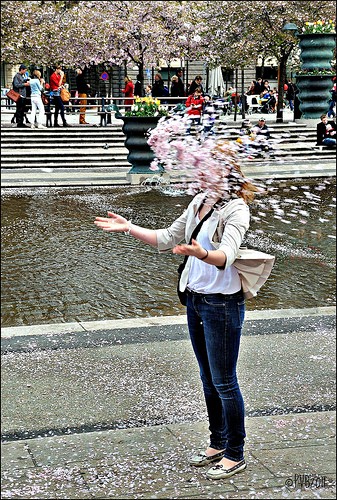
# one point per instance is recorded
(128, 91)
(56, 83)
(194, 106)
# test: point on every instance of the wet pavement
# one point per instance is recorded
(114, 409)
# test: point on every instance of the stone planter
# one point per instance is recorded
(314, 94)
(140, 154)
(317, 50)
(314, 90)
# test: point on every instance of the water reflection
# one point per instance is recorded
(57, 267)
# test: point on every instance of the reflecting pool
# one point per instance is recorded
(58, 267)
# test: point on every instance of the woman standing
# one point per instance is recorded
(56, 83)
(158, 89)
(194, 107)
(215, 301)
(83, 89)
(36, 87)
(128, 91)
(175, 89)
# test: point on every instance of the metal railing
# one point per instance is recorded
(97, 103)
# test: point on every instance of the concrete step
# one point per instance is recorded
(65, 133)
(76, 163)
(81, 148)
(62, 140)
(9, 153)
(61, 131)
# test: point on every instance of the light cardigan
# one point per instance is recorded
(226, 230)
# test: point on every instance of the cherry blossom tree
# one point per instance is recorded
(231, 34)
(91, 32)
(235, 34)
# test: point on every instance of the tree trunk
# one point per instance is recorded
(236, 95)
(243, 96)
(141, 74)
(281, 81)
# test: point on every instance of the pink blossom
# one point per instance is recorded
(212, 164)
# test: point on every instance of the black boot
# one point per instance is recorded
(56, 124)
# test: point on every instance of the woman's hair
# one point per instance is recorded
(127, 79)
(37, 73)
(174, 78)
(237, 183)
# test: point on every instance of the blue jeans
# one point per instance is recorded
(215, 323)
(329, 142)
(59, 108)
(331, 112)
(193, 119)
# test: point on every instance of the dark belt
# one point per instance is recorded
(229, 295)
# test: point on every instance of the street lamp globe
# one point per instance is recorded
(290, 28)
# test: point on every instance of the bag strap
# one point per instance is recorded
(197, 229)
(196, 232)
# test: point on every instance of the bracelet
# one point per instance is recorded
(128, 232)
(205, 255)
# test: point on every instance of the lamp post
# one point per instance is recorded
(285, 49)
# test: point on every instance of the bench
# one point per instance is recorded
(105, 112)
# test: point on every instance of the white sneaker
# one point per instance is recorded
(202, 459)
(32, 125)
(41, 126)
(220, 472)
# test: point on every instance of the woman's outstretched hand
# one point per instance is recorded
(113, 223)
(193, 250)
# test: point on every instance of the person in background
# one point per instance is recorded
(326, 133)
(36, 87)
(259, 87)
(20, 84)
(128, 91)
(194, 108)
(158, 86)
(174, 91)
(246, 137)
(261, 128)
(67, 104)
(332, 103)
(180, 84)
(83, 89)
(266, 85)
(148, 91)
(196, 83)
(56, 84)
(290, 94)
(208, 116)
(138, 87)
(265, 96)
(272, 102)
(251, 89)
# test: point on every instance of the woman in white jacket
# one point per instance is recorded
(215, 307)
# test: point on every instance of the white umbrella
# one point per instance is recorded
(216, 84)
